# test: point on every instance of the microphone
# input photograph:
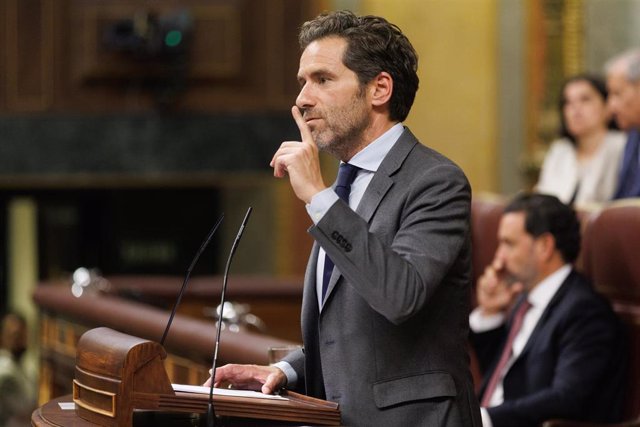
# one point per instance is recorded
(186, 278)
(211, 415)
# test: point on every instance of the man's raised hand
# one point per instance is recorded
(300, 160)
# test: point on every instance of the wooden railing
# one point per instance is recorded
(190, 342)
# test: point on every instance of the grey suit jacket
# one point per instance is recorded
(390, 343)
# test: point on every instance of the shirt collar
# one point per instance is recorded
(370, 157)
(547, 288)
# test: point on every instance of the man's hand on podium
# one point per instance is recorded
(267, 379)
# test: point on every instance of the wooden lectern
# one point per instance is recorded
(116, 374)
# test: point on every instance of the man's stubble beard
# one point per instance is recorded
(344, 132)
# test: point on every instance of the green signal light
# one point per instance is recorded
(173, 38)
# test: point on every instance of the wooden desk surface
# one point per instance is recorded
(52, 415)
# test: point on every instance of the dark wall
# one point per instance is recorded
(140, 143)
(132, 193)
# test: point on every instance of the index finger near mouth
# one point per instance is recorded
(305, 132)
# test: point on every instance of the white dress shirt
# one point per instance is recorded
(539, 298)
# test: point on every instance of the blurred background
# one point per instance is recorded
(128, 127)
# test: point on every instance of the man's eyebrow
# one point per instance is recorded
(321, 72)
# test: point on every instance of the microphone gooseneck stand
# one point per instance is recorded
(186, 278)
(211, 414)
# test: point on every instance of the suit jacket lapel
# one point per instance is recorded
(378, 188)
(562, 290)
(382, 181)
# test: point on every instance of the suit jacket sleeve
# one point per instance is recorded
(397, 271)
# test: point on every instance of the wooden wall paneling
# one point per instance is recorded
(108, 80)
(273, 43)
(241, 53)
(305, 10)
(4, 26)
(28, 56)
(217, 42)
(61, 55)
(243, 56)
(215, 47)
(283, 19)
(268, 45)
(243, 91)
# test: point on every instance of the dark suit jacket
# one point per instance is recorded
(629, 179)
(389, 344)
(572, 367)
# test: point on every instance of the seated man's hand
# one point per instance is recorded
(267, 379)
(496, 290)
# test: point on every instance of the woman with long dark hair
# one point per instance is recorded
(583, 165)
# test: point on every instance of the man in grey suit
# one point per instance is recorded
(385, 330)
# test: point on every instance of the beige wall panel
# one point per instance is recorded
(455, 110)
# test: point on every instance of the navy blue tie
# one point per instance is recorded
(346, 174)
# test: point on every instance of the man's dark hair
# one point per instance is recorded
(374, 45)
(598, 84)
(547, 214)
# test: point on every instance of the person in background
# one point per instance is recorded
(386, 292)
(583, 165)
(623, 80)
(17, 399)
(549, 346)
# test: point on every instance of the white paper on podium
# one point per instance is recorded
(67, 406)
(185, 388)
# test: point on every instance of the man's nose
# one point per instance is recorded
(305, 98)
(499, 260)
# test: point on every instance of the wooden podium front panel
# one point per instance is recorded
(51, 415)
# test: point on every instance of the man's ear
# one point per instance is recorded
(546, 245)
(381, 88)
